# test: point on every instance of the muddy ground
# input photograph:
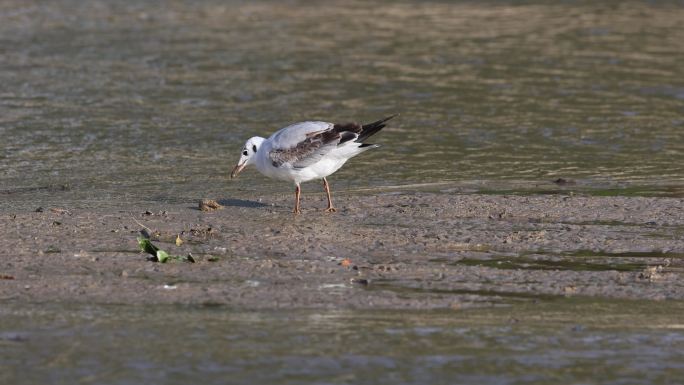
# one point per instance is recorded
(389, 250)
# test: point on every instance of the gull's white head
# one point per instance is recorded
(248, 154)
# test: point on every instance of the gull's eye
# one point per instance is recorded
(244, 153)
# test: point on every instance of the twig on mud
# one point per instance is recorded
(136, 221)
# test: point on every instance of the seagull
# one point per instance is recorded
(307, 150)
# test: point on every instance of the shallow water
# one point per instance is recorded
(108, 102)
(116, 103)
(567, 341)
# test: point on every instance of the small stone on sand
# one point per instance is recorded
(209, 205)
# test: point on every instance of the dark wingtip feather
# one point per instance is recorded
(372, 128)
(379, 122)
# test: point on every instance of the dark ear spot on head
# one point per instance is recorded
(254, 147)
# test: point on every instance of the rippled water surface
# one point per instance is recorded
(578, 342)
(108, 102)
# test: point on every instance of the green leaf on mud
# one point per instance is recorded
(159, 255)
(162, 256)
(147, 246)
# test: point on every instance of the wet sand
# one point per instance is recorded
(395, 250)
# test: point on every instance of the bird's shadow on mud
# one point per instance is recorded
(240, 203)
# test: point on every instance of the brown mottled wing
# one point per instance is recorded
(308, 151)
(316, 145)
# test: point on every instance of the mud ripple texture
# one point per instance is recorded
(401, 250)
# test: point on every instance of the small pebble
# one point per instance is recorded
(209, 205)
(360, 281)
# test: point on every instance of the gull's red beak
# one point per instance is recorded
(237, 170)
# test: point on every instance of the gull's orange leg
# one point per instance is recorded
(298, 193)
(326, 186)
